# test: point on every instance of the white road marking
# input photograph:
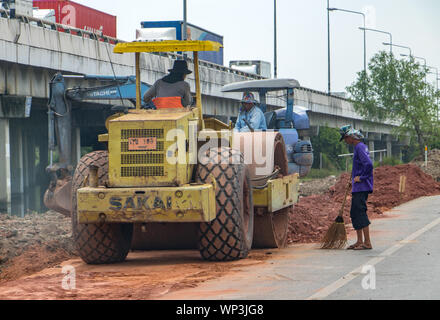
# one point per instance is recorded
(325, 292)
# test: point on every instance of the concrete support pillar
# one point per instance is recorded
(389, 149)
(29, 159)
(26, 180)
(5, 166)
(371, 148)
(18, 205)
(16, 148)
(42, 179)
(397, 151)
(44, 153)
(76, 146)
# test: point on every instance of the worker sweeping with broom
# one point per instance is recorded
(361, 186)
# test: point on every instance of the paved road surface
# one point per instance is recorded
(404, 264)
(405, 258)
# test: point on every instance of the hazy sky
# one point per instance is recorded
(247, 27)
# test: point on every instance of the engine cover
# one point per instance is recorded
(150, 148)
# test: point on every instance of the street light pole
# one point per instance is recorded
(396, 45)
(365, 37)
(185, 35)
(437, 93)
(436, 72)
(380, 31)
(328, 44)
(185, 28)
(275, 66)
(436, 85)
(436, 76)
(421, 58)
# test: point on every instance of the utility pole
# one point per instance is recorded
(328, 43)
(275, 67)
(364, 28)
(185, 35)
(399, 46)
(380, 31)
(185, 29)
(436, 86)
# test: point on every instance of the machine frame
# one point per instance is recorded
(94, 202)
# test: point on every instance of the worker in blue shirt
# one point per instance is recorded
(362, 186)
(250, 118)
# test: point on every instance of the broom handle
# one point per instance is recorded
(345, 198)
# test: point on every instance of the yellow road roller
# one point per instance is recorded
(171, 179)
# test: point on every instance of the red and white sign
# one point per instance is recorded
(142, 144)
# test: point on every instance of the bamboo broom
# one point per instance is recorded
(336, 236)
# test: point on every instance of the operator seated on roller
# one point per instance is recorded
(171, 91)
(250, 118)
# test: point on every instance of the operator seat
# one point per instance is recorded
(271, 119)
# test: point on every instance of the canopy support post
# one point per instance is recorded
(138, 81)
(198, 91)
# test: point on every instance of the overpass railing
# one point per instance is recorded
(98, 36)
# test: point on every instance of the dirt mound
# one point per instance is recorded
(316, 186)
(36, 258)
(313, 215)
(31, 243)
(433, 163)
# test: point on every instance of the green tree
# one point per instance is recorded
(396, 91)
(327, 143)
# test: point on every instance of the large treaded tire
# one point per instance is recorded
(98, 243)
(229, 235)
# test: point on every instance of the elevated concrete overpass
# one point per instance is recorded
(32, 52)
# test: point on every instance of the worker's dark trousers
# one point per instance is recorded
(358, 211)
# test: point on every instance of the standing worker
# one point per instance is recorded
(362, 186)
(171, 91)
(250, 118)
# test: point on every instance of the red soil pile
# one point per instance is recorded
(34, 259)
(311, 216)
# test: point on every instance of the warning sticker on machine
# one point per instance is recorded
(142, 144)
